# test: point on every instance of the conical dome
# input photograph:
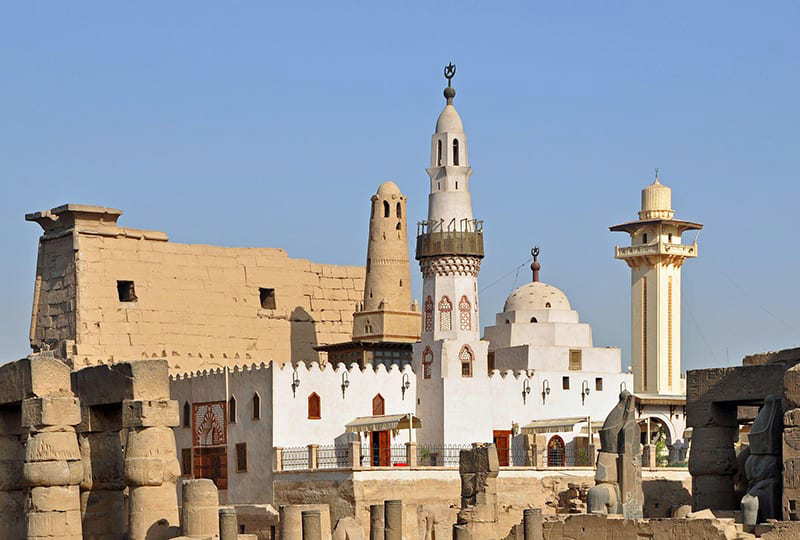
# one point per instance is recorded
(449, 121)
(656, 202)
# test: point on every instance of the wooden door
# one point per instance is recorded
(502, 440)
(212, 462)
(381, 449)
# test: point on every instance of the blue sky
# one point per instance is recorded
(271, 124)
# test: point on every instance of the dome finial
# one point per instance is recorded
(657, 180)
(449, 73)
(535, 266)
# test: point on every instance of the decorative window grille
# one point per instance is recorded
(445, 314)
(466, 361)
(428, 314)
(465, 313)
(556, 452)
(427, 360)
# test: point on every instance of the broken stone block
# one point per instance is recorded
(51, 411)
(137, 413)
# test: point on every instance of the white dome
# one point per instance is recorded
(537, 295)
(449, 121)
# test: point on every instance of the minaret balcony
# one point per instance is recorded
(434, 244)
(656, 249)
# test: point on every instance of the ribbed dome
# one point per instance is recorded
(656, 202)
(449, 121)
(537, 295)
(389, 188)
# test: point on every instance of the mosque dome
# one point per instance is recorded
(656, 202)
(449, 121)
(388, 189)
(537, 295)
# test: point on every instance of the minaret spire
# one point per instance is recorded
(535, 266)
(449, 73)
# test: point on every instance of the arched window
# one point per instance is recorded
(399, 226)
(465, 313)
(445, 314)
(547, 305)
(187, 415)
(232, 410)
(386, 209)
(465, 356)
(256, 407)
(427, 361)
(644, 238)
(556, 453)
(455, 151)
(399, 211)
(314, 407)
(534, 320)
(428, 314)
(378, 406)
(439, 153)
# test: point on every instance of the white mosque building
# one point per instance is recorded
(535, 384)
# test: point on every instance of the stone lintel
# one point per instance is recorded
(39, 374)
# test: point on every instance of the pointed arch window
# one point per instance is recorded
(428, 314)
(399, 211)
(427, 362)
(314, 407)
(232, 410)
(256, 406)
(455, 151)
(386, 209)
(187, 415)
(378, 405)
(445, 314)
(465, 313)
(466, 357)
(439, 153)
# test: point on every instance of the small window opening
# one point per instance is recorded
(565, 383)
(399, 211)
(232, 410)
(398, 227)
(187, 415)
(401, 282)
(126, 291)
(438, 185)
(439, 153)
(256, 407)
(547, 305)
(241, 457)
(456, 185)
(267, 298)
(386, 210)
(669, 238)
(644, 238)
(533, 319)
(598, 384)
(455, 151)
(186, 461)
(378, 405)
(314, 407)
(575, 360)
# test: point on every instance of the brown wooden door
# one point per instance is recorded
(502, 440)
(212, 462)
(381, 449)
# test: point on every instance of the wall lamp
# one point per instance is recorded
(584, 391)
(526, 390)
(295, 382)
(345, 382)
(405, 384)
(545, 390)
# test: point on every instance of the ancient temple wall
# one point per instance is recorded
(194, 304)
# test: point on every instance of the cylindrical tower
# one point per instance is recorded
(387, 313)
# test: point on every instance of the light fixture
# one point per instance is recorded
(622, 387)
(584, 391)
(405, 384)
(295, 382)
(345, 382)
(545, 390)
(526, 390)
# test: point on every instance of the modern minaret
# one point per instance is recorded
(387, 313)
(655, 257)
(449, 251)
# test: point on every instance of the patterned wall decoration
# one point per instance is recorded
(209, 424)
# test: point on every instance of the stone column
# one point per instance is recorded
(393, 520)
(313, 456)
(649, 455)
(540, 450)
(411, 454)
(277, 454)
(461, 532)
(791, 445)
(376, 522)
(103, 509)
(355, 454)
(12, 458)
(151, 468)
(200, 508)
(228, 524)
(53, 468)
(712, 464)
(532, 524)
(290, 523)
(312, 525)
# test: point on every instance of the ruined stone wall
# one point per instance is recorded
(194, 304)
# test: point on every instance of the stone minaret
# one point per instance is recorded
(655, 257)
(387, 313)
(449, 251)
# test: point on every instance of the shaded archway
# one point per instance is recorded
(556, 452)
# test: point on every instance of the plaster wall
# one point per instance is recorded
(195, 304)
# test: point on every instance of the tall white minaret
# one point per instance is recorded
(655, 257)
(449, 251)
